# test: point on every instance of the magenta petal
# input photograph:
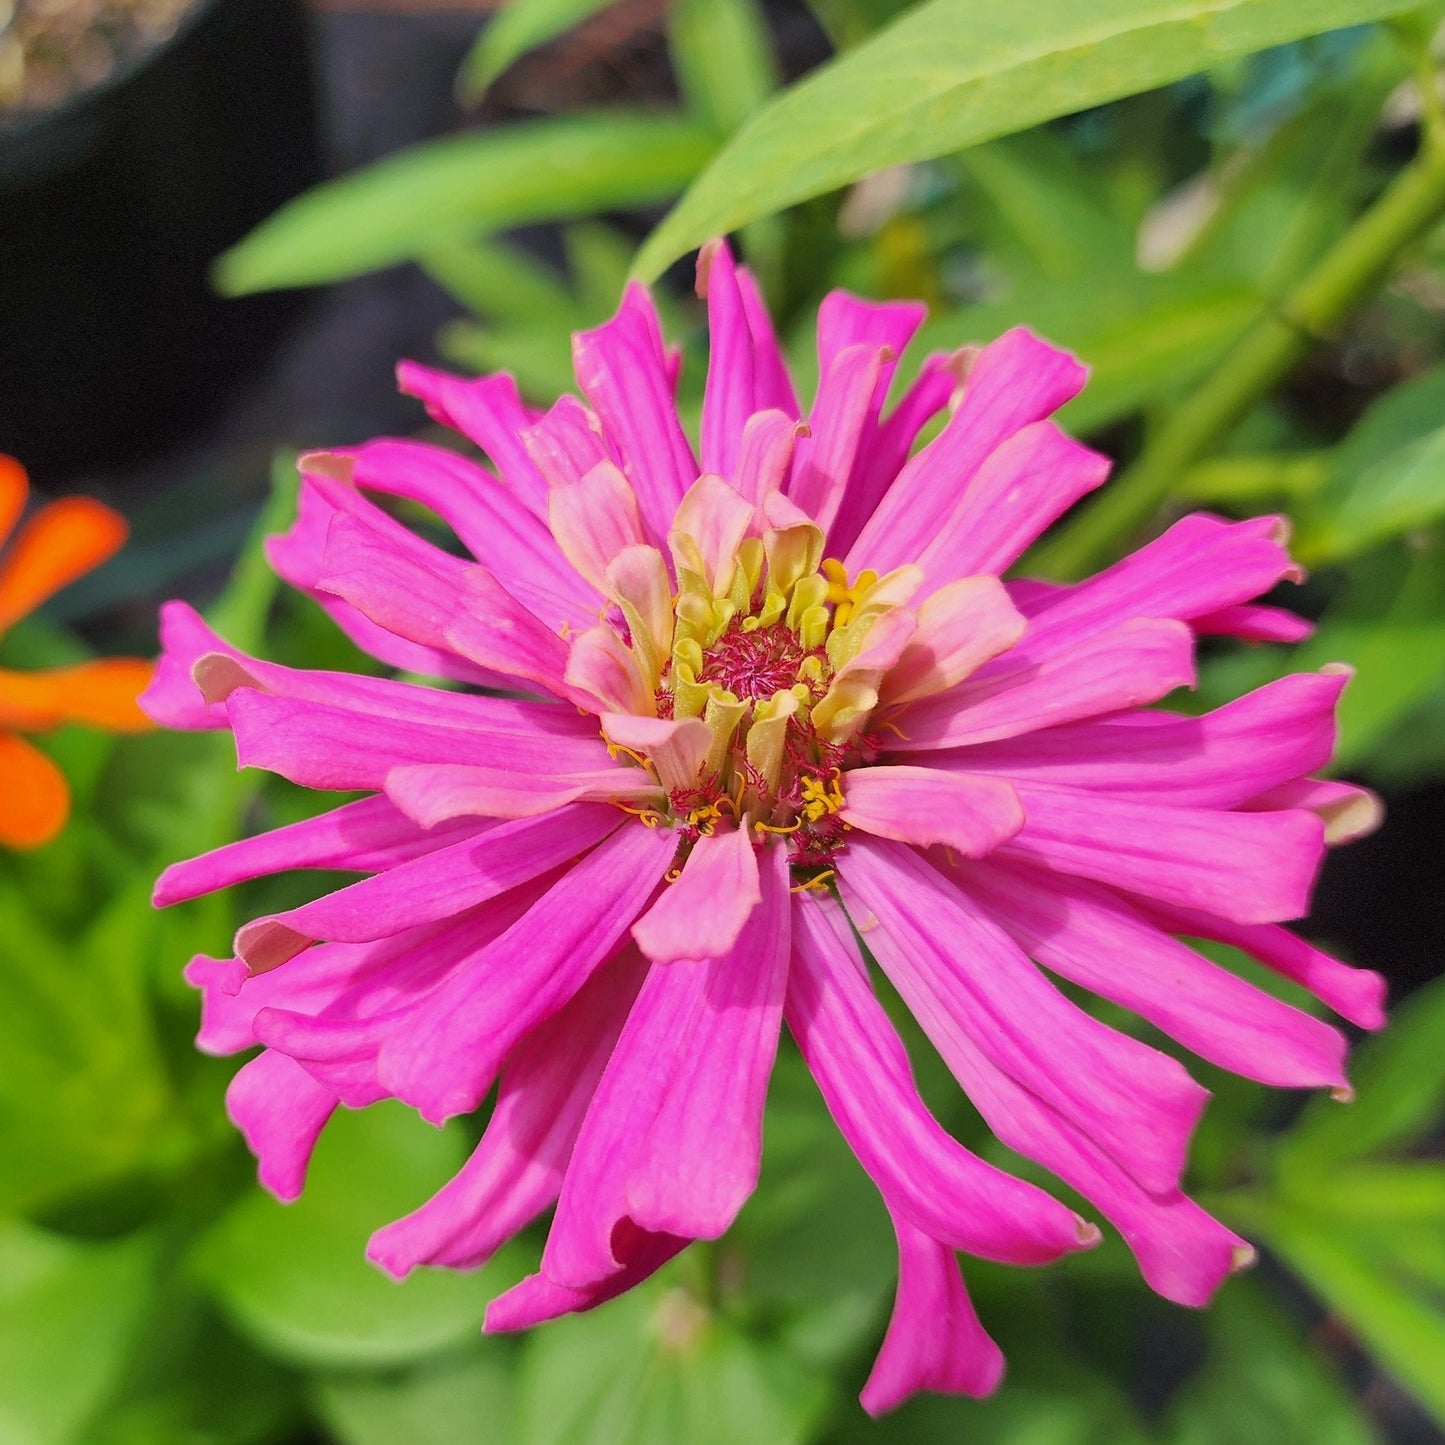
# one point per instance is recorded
(491, 628)
(280, 1110)
(566, 443)
(824, 459)
(442, 1056)
(730, 395)
(861, 1068)
(702, 913)
(1248, 867)
(764, 455)
(772, 385)
(935, 1340)
(516, 1170)
(958, 971)
(1347, 810)
(623, 371)
(703, 1151)
(1094, 939)
(926, 806)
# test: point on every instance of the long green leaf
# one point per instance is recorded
(512, 31)
(952, 73)
(468, 185)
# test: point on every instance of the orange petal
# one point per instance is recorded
(14, 488)
(101, 693)
(34, 797)
(58, 544)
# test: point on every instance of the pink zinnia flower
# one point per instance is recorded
(759, 699)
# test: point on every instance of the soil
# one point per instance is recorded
(51, 50)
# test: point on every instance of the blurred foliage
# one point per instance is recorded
(1213, 249)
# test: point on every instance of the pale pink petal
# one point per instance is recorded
(1129, 666)
(1247, 867)
(925, 806)
(437, 794)
(594, 519)
(489, 627)
(516, 1170)
(956, 968)
(764, 456)
(961, 626)
(703, 912)
(1012, 382)
(606, 676)
(1356, 994)
(676, 747)
(566, 443)
(623, 370)
(280, 1110)
(701, 1157)
(1095, 939)
(1030, 481)
(862, 1071)
(1347, 810)
(429, 889)
(714, 518)
(489, 410)
(935, 1340)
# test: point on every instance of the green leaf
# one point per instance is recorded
(514, 29)
(655, 1367)
(445, 191)
(952, 73)
(493, 279)
(1390, 627)
(1261, 1383)
(1386, 477)
(465, 1396)
(723, 59)
(70, 1315)
(1354, 1272)
(295, 1277)
(1399, 1080)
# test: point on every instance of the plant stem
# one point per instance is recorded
(1347, 274)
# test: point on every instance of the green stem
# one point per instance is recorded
(1348, 273)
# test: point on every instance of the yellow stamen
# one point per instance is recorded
(818, 883)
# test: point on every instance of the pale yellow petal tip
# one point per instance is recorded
(326, 464)
(1343, 1094)
(1088, 1234)
(218, 675)
(1242, 1257)
(707, 254)
(1338, 669)
(1354, 817)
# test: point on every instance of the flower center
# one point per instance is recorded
(756, 663)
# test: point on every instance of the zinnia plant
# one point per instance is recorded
(62, 541)
(768, 716)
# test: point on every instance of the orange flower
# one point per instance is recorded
(59, 543)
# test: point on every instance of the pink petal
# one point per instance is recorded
(772, 387)
(1253, 624)
(1129, 666)
(1356, 994)
(1248, 867)
(925, 806)
(862, 1071)
(730, 395)
(593, 520)
(1013, 382)
(489, 627)
(489, 410)
(704, 911)
(1030, 481)
(958, 971)
(436, 794)
(935, 1340)
(766, 451)
(1221, 759)
(441, 1059)
(1347, 810)
(280, 1110)
(1094, 939)
(488, 519)
(676, 747)
(516, 1170)
(368, 836)
(701, 1157)
(716, 519)
(606, 676)
(566, 443)
(961, 626)
(623, 370)
(825, 457)
(429, 889)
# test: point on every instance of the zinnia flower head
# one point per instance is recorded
(62, 541)
(761, 697)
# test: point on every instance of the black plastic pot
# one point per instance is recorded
(112, 208)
